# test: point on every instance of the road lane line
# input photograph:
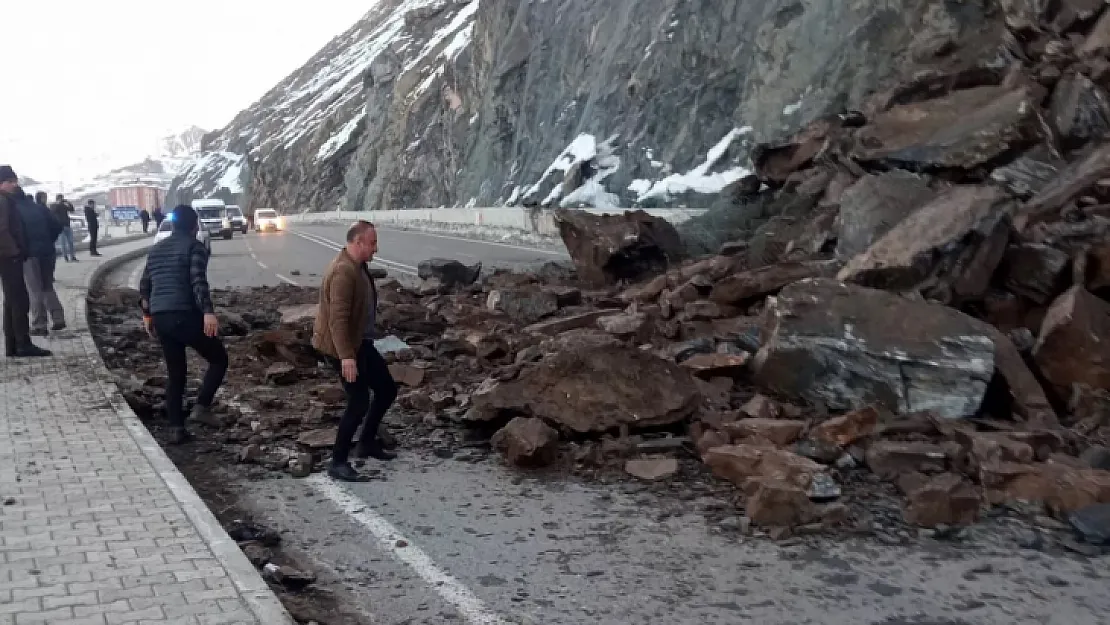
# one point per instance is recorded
(288, 280)
(451, 590)
(389, 264)
(262, 264)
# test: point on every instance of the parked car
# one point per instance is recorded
(166, 228)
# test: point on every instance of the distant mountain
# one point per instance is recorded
(169, 155)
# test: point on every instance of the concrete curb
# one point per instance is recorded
(84, 247)
(261, 601)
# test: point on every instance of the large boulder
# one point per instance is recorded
(609, 248)
(449, 272)
(964, 129)
(846, 347)
(1073, 346)
(875, 204)
(593, 390)
(952, 245)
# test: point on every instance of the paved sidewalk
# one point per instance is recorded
(97, 527)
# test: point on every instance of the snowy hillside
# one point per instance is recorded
(319, 111)
(168, 156)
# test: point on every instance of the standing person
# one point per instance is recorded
(177, 310)
(40, 230)
(158, 217)
(144, 216)
(61, 210)
(93, 224)
(344, 334)
(13, 251)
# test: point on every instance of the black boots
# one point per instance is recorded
(373, 449)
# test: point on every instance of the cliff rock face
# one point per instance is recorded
(426, 103)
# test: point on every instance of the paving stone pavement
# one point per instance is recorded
(96, 527)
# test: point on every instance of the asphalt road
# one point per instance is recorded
(449, 541)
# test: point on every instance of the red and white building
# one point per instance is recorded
(137, 196)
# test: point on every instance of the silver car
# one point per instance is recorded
(166, 228)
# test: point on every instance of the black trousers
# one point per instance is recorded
(176, 331)
(93, 231)
(17, 304)
(373, 375)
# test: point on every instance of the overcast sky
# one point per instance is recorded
(102, 80)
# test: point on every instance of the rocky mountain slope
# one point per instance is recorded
(490, 102)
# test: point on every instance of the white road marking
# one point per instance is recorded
(478, 241)
(451, 590)
(262, 265)
(285, 279)
(389, 264)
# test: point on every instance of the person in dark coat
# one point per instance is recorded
(144, 216)
(40, 229)
(93, 224)
(13, 251)
(158, 216)
(177, 309)
(61, 209)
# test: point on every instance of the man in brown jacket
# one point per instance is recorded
(13, 251)
(344, 335)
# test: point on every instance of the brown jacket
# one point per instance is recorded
(12, 242)
(341, 313)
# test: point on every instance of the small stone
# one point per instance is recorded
(653, 469)
(301, 466)
(250, 453)
(9, 501)
(401, 543)
(823, 488)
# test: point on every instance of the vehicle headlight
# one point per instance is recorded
(226, 223)
(281, 222)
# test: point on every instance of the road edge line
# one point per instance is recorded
(470, 607)
(256, 594)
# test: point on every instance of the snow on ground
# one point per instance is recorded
(340, 138)
(699, 179)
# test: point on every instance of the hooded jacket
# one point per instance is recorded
(40, 229)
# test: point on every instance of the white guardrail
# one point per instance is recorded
(537, 221)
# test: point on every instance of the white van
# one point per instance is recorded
(213, 217)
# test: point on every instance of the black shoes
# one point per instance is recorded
(344, 473)
(30, 350)
(58, 325)
(373, 450)
(178, 435)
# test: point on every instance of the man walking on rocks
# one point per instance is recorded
(13, 251)
(344, 334)
(177, 310)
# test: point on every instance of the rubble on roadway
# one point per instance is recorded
(924, 315)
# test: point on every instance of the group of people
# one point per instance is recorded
(29, 230)
(177, 310)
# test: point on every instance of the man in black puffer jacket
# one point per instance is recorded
(177, 310)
